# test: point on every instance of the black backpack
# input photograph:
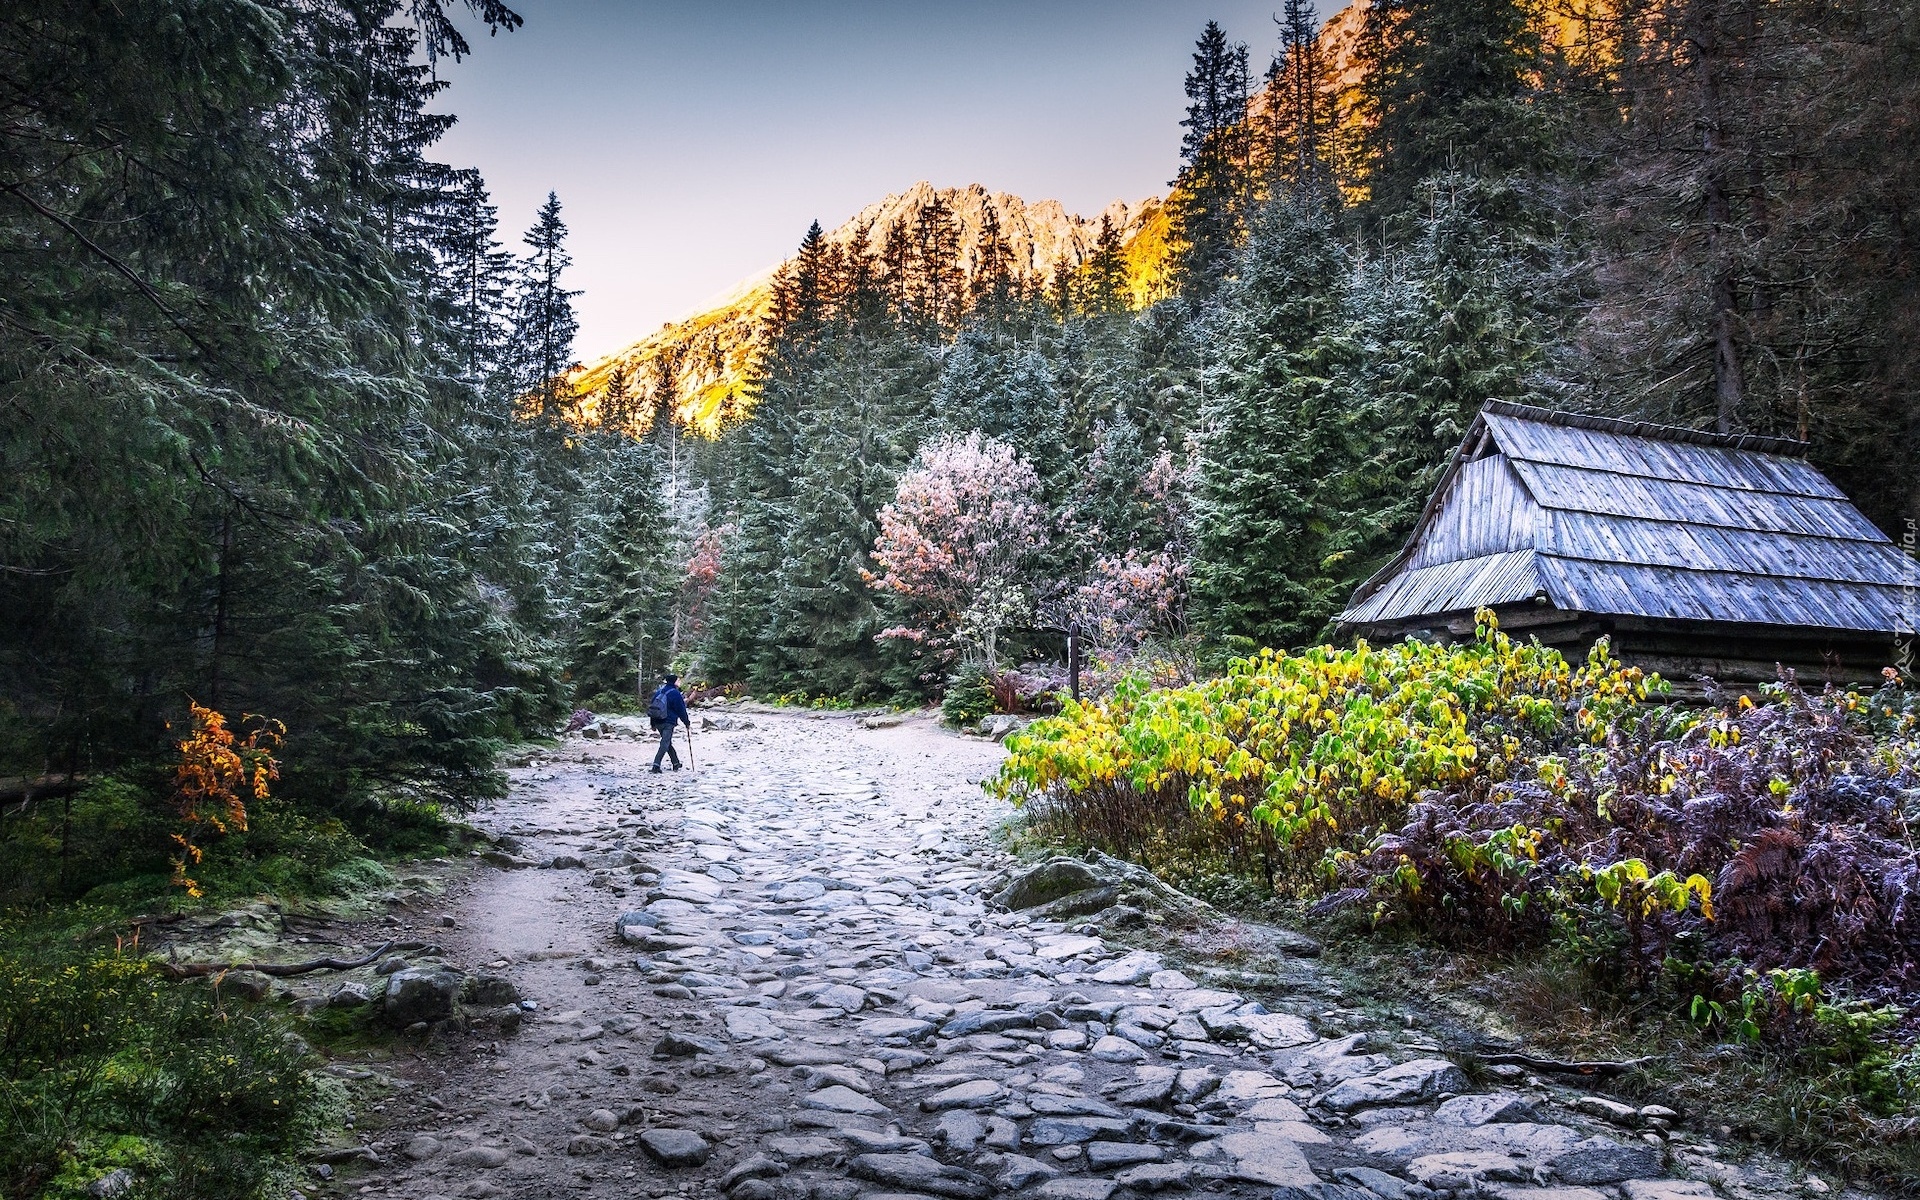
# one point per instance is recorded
(657, 711)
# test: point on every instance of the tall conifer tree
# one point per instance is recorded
(1213, 191)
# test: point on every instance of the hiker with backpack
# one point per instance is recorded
(665, 712)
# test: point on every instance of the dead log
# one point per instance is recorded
(1566, 1067)
(173, 970)
(20, 793)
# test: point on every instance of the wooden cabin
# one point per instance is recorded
(1698, 554)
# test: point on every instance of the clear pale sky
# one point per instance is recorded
(691, 141)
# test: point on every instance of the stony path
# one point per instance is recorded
(777, 977)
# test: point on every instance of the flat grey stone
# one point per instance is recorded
(1261, 1158)
(1241, 1086)
(1199, 999)
(686, 1045)
(1076, 1189)
(804, 1054)
(1018, 1173)
(961, 1132)
(897, 1027)
(1002, 1134)
(985, 1021)
(752, 1025)
(1464, 1170)
(1386, 1186)
(975, 1093)
(881, 1141)
(1609, 1110)
(479, 1156)
(1155, 1177)
(1117, 1050)
(1497, 1107)
(1148, 1093)
(1066, 1131)
(1277, 1031)
(1135, 967)
(1664, 1189)
(1408, 1083)
(1104, 1156)
(804, 1149)
(1534, 1144)
(1602, 1160)
(1048, 1105)
(757, 1167)
(1274, 1108)
(675, 1147)
(917, 1172)
(844, 997)
(842, 1099)
(1057, 948)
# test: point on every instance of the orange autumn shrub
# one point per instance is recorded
(217, 773)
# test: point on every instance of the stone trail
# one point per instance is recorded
(778, 978)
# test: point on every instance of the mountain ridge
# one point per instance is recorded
(705, 357)
(709, 354)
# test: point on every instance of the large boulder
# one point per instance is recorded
(489, 991)
(429, 992)
(1047, 882)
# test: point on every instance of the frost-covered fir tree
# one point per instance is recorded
(625, 592)
(1277, 416)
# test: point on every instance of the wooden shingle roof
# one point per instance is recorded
(1612, 517)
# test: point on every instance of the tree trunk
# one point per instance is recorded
(221, 594)
(1709, 54)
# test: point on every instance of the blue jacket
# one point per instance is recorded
(676, 705)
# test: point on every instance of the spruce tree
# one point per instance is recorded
(545, 326)
(624, 596)
(1104, 289)
(1447, 86)
(1276, 418)
(1300, 126)
(1211, 194)
(936, 283)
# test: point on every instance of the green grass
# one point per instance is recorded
(105, 1065)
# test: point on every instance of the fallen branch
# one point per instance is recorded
(282, 970)
(1565, 1067)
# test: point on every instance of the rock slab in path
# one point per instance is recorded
(918, 1173)
(675, 1147)
(1408, 1083)
(975, 1093)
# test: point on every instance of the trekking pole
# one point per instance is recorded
(689, 745)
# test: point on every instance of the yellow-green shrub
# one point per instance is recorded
(1289, 756)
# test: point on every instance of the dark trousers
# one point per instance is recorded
(666, 749)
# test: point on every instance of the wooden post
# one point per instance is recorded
(1073, 661)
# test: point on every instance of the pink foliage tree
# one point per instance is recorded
(957, 543)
